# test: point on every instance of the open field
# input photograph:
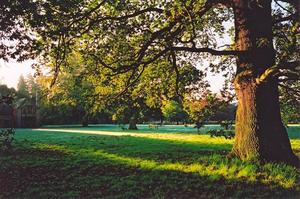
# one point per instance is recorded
(293, 129)
(106, 162)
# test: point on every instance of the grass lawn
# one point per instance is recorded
(106, 162)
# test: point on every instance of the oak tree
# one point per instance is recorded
(126, 36)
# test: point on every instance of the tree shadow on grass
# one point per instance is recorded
(54, 175)
(99, 166)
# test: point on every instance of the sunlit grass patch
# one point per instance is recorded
(285, 175)
(136, 165)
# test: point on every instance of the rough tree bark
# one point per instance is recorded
(260, 134)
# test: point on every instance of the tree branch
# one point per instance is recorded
(295, 65)
(59, 58)
(293, 2)
(289, 77)
(174, 65)
(288, 88)
(137, 13)
(287, 18)
(87, 14)
(283, 7)
(207, 50)
(275, 72)
(140, 58)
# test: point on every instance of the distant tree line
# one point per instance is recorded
(68, 105)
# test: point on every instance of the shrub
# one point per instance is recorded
(227, 130)
(6, 139)
(228, 134)
(226, 124)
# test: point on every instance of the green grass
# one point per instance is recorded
(106, 162)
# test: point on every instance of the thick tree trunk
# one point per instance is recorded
(161, 120)
(85, 120)
(260, 134)
(133, 121)
(132, 125)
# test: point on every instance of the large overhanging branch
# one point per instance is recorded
(142, 58)
(206, 50)
(167, 29)
(286, 70)
(208, 5)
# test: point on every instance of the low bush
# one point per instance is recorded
(227, 130)
(228, 134)
(6, 139)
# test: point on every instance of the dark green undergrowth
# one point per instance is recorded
(85, 163)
